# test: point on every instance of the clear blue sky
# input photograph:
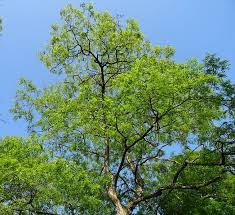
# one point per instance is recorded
(193, 27)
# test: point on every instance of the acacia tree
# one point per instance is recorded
(122, 106)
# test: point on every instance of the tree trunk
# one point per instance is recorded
(120, 210)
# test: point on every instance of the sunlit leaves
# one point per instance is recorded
(30, 180)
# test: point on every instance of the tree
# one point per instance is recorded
(217, 198)
(31, 183)
(122, 106)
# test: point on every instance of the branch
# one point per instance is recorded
(157, 119)
(210, 164)
(185, 164)
(35, 211)
(129, 147)
(154, 156)
(159, 192)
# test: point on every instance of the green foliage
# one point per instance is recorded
(217, 198)
(214, 65)
(31, 182)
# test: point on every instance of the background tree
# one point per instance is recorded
(32, 183)
(216, 198)
(122, 105)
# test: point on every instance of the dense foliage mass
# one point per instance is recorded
(127, 129)
(32, 183)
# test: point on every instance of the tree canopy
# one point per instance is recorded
(104, 138)
(32, 183)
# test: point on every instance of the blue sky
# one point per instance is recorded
(193, 27)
